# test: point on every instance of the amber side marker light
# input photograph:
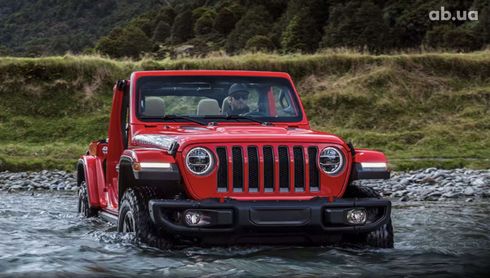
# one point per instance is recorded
(136, 166)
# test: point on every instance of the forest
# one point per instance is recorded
(161, 29)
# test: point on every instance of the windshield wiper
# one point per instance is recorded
(235, 117)
(173, 117)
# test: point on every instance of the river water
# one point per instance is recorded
(41, 235)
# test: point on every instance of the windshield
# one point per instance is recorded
(216, 98)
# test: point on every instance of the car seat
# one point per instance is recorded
(208, 106)
(154, 107)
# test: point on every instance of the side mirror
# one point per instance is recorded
(121, 85)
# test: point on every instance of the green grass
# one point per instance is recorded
(29, 156)
(420, 109)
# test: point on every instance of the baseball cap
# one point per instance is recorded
(237, 88)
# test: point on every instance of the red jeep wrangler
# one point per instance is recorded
(228, 157)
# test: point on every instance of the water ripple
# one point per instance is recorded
(41, 235)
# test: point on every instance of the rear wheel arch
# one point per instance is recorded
(80, 172)
(127, 179)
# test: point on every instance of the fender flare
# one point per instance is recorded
(86, 171)
(369, 164)
(167, 181)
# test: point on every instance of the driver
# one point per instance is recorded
(237, 99)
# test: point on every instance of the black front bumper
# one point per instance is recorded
(233, 218)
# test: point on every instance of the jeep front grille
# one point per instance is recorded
(268, 169)
(278, 168)
(237, 169)
(222, 170)
(314, 175)
(299, 169)
(253, 169)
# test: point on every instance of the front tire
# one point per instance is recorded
(379, 238)
(83, 204)
(134, 217)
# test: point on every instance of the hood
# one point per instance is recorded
(170, 137)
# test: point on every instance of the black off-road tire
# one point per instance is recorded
(379, 238)
(83, 204)
(135, 203)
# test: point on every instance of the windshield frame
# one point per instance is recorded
(275, 80)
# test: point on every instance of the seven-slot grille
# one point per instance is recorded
(281, 169)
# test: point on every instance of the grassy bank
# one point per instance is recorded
(421, 109)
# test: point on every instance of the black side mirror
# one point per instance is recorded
(121, 84)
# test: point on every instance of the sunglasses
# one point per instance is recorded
(240, 96)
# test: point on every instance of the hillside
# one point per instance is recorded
(50, 27)
(199, 27)
(170, 28)
(421, 109)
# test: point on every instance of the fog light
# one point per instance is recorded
(195, 218)
(356, 216)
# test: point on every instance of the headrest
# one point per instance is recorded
(208, 106)
(154, 107)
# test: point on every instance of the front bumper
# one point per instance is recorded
(232, 217)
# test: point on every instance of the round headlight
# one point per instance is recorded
(331, 160)
(199, 161)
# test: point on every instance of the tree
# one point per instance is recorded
(166, 14)
(484, 24)
(259, 43)
(162, 32)
(225, 21)
(182, 27)
(144, 23)
(300, 34)
(435, 37)
(409, 21)
(128, 42)
(204, 25)
(317, 10)
(4, 51)
(301, 25)
(255, 22)
(199, 12)
(357, 25)
(462, 38)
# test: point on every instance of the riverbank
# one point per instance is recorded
(434, 184)
(422, 110)
(429, 184)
